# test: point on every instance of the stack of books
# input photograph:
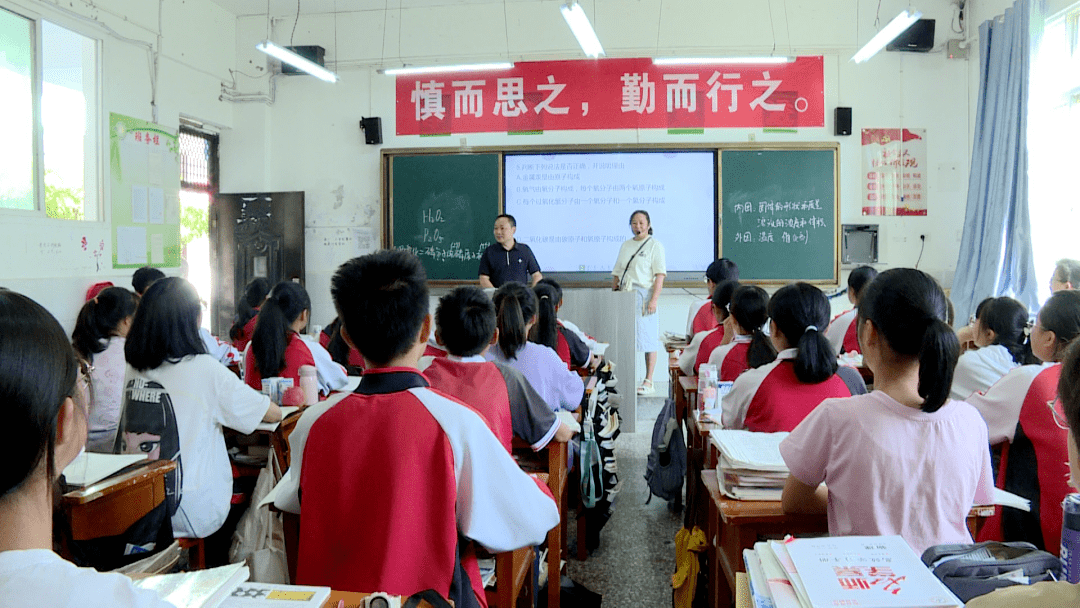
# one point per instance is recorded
(228, 587)
(750, 466)
(859, 571)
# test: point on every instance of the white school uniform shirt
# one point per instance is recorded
(39, 577)
(838, 328)
(694, 309)
(689, 354)
(978, 370)
(224, 352)
(590, 343)
(1000, 404)
(644, 266)
(205, 397)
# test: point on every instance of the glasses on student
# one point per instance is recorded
(1059, 419)
(972, 319)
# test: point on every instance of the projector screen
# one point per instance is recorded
(574, 210)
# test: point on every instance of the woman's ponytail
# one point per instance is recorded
(286, 302)
(254, 294)
(546, 329)
(801, 311)
(515, 305)
(750, 307)
(937, 362)
(98, 320)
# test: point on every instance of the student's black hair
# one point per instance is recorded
(859, 279)
(721, 295)
(982, 306)
(382, 299)
(546, 330)
(285, 303)
(1069, 389)
(554, 285)
(513, 222)
(750, 307)
(38, 371)
(466, 321)
(1008, 319)
(647, 218)
(722, 269)
(248, 306)
(908, 308)
(1061, 315)
(99, 318)
(801, 312)
(144, 277)
(166, 325)
(515, 305)
(1068, 271)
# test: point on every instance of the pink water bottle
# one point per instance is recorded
(309, 383)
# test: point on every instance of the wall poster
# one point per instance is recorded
(894, 172)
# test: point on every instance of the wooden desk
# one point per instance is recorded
(685, 396)
(554, 456)
(734, 525)
(700, 455)
(110, 506)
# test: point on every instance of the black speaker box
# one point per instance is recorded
(312, 53)
(842, 121)
(919, 38)
(372, 128)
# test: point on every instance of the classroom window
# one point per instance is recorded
(54, 169)
(198, 180)
(1053, 130)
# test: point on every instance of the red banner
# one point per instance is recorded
(613, 94)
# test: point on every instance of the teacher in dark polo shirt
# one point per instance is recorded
(508, 260)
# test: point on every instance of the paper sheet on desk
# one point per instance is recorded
(88, 468)
(286, 411)
(746, 450)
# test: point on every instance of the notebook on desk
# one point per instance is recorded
(89, 468)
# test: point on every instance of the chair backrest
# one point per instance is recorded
(279, 440)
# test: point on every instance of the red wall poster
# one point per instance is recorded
(613, 94)
(894, 171)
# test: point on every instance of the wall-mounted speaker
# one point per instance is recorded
(372, 128)
(919, 38)
(842, 121)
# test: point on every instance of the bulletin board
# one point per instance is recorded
(144, 161)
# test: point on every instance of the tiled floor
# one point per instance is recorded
(636, 558)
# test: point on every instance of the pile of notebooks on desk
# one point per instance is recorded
(860, 571)
(750, 466)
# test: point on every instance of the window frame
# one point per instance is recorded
(37, 86)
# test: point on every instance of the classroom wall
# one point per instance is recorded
(44, 257)
(307, 138)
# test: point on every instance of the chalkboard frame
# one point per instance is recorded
(576, 279)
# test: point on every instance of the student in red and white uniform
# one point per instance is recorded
(278, 349)
(396, 480)
(572, 335)
(749, 347)
(465, 326)
(904, 459)
(999, 335)
(777, 396)
(701, 318)
(247, 312)
(699, 349)
(841, 330)
(340, 351)
(1016, 410)
(547, 331)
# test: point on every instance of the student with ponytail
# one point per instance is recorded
(778, 395)
(841, 330)
(516, 313)
(1020, 409)
(749, 348)
(278, 349)
(999, 334)
(548, 331)
(703, 342)
(903, 459)
(99, 335)
(43, 399)
(247, 311)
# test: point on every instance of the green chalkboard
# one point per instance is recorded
(779, 213)
(442, 208)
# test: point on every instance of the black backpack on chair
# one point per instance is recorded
(666, 466)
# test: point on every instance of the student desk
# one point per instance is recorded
(685, 388)
(110, 506)
(700, 455)
(734, 525)
(551, 460)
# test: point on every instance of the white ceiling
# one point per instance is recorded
(307, 7)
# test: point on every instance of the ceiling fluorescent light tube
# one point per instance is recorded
(301, 63)
(432, 69)
(582, 29)
(897, 26)
(709, 60)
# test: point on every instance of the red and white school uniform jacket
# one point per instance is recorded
(500, 393)
(842, 332)
(730, 359)
(241, 341)
(300, 351)
(770, 399)
(570, 348)
(1034, 464)
(709, 343)
(688, 362)
(701, 319)
(393, 479)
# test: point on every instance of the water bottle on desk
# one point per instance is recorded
(309, 383)
(708, 379)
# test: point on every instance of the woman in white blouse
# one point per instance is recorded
(641, 268)
(999, 331)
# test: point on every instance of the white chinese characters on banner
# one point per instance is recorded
(894, 172)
